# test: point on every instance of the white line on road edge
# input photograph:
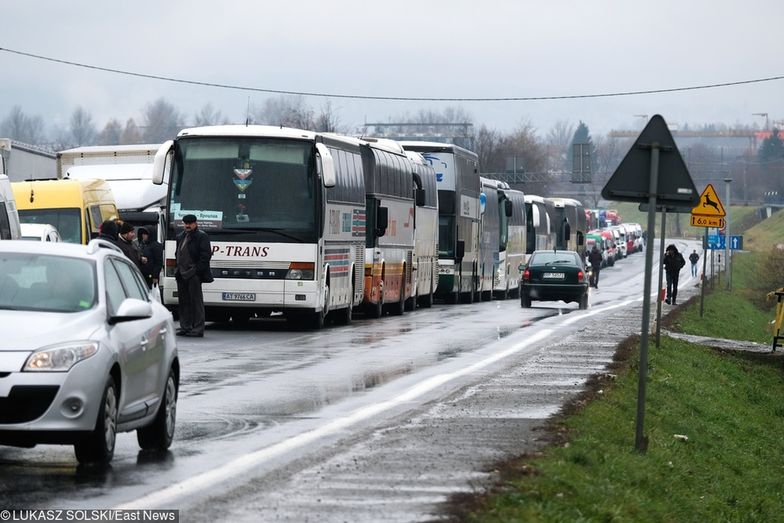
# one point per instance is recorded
(593, 311)
(243, 464)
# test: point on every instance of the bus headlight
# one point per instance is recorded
(301, 271)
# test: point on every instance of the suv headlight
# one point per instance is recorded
(60, 358)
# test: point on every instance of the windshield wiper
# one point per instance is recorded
(251, 230)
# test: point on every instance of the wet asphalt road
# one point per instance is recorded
(379, 420)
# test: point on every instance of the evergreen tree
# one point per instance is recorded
(772, 148)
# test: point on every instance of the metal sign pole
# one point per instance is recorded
(661, 272)
(640, 442)
(702, 276)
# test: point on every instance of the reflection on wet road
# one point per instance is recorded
(242, 389)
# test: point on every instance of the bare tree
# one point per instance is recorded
(111, 133)
(557, 143)
(327, 120)
(131, 133)
(162, 121)
(82, 130)
(486, 145)
(287, 111)
(18, 126)
(209, 116)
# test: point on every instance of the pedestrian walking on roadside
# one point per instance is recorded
(595, 259)
(193, 268)
(694, 258)
(673, 263)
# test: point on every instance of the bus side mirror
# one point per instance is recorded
(567, 231)
(382, 221)
(580, 238)
(326, 165)
(420, 197)
(508, 208)
(460, 251)
(161, 164)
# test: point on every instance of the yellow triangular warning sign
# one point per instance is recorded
(709, 205)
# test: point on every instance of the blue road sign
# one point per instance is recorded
(718, 242)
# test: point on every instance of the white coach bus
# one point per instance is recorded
(285, 212)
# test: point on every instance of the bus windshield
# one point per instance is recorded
(249, 189)
(66, 221)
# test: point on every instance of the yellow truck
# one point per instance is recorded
(75, 207)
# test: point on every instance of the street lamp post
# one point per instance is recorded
(727, 235)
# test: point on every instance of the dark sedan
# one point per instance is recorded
(554, 275)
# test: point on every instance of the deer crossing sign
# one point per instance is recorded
(710, 204)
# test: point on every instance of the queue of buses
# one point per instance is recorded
(317, 226)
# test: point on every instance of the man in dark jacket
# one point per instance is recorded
(153, 251)
(673, 263)
(108, 231)
(193, 267)
(694, 258)
(128, 247)
(595, 259)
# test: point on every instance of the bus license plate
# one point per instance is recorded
(553, 276)
(239, 296)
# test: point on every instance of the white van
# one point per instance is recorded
(41, 232)
(9, 216)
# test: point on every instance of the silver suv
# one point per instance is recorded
(86, 351)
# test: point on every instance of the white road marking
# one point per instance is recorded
(243, 464)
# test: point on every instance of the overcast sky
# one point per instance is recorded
(423, 48)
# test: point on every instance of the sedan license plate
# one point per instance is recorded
(239, 296)
(553, 276)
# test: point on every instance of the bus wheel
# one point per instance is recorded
(345, 315)
(240, 319)
(426, 301)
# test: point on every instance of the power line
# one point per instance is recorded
(394, 98)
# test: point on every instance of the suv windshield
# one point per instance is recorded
(40, 282)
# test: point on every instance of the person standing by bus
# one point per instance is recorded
(694, 258)
(193, 268)
(595, 259)
(673, 263)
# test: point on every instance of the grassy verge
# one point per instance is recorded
(738, 315)
(714, 423)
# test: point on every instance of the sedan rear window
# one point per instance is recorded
(553, 258)
(41, 282)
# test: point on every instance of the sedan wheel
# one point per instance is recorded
(98, 446)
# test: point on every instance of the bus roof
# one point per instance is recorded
(434, 147)
(533, 198)
(265, 131)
